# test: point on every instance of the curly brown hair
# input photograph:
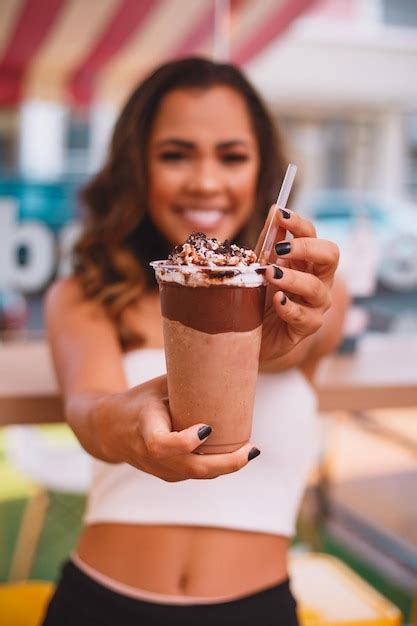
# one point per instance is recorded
(119, 239)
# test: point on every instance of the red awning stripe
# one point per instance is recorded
(40, 44)
(124, 24)
(276, 23)
(31, 28)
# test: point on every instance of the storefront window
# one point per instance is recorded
(411, 170)
(399, 13)
(77, 145)
(8, 141)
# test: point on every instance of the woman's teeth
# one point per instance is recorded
(203, 219)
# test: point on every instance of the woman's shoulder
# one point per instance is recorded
(70, 314)
(67, 294)
(65, 288)
(64, 292)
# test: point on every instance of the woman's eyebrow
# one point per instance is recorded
(182, 143)
(233, 143)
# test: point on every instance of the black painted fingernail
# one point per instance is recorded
(285, 214)
(283, 247)
(204, 432)
(283, 299)
(253, 454)
(278, 273)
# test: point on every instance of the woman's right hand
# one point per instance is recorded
(114, 424)
(135, 427)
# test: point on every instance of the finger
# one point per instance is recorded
(318, 251)
(206, 466)
(297, 225)
(302, 284)
(161, 444)
(160, 470)
(300, 319)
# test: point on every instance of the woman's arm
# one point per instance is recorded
(330, 335)
(311, 349)
(87, 358)
(114, 423)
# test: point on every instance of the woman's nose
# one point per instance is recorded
(205, 178)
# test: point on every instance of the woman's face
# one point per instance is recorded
(203, 164)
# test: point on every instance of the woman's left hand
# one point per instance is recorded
(299, 290)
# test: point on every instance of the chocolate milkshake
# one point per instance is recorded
(212, 302)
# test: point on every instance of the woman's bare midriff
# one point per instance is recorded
(185, 560)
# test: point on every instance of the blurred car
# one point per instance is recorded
(377, 238)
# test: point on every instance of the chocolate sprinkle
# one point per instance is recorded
(199, 249)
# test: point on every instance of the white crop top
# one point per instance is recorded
(263, 496)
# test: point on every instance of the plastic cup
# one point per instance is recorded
(212, 322)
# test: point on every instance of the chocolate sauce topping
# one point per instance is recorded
(217, 309)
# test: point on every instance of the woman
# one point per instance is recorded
(193, 150)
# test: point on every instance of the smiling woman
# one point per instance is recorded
(194, 149)
(203, 163)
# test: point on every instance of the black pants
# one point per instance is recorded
(81, 601)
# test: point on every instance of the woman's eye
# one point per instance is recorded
(172, 155)
(234, 158)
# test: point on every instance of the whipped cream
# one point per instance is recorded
(201, 262)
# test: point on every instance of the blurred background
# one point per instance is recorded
(337, 74)
(340, 77)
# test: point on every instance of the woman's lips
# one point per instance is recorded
(203, 219)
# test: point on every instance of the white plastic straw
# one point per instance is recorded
(287, 183)
(268, 234)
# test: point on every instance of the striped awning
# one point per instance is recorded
(78, 50)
